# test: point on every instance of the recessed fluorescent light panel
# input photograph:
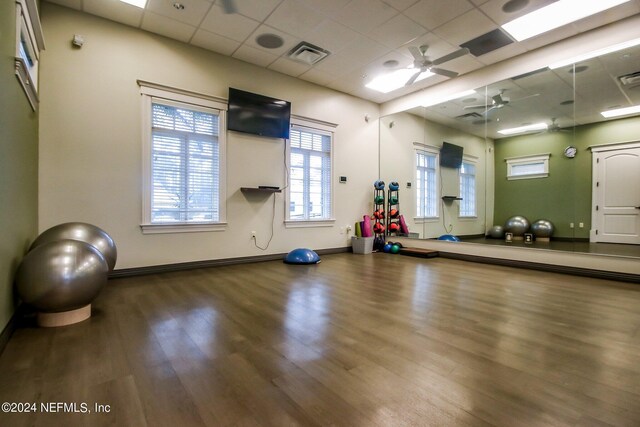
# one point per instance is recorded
(621, 112)
(436, 101)
(137, 3)
(395, 80)
(555, 15)
(523, 129)
(595, 53)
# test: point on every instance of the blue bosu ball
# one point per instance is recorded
(302, 256)
(449, 238)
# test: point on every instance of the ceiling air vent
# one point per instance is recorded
(630, 80)
(469, 117)
(307, 53)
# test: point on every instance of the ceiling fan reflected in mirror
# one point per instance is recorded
(498, 101)
(554, 127)
(423, 64)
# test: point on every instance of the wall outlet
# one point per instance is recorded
(570, 225)
(581, 225)
(253, 234)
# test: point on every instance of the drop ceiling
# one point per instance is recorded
(361, 35)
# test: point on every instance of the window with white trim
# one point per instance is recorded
(309, 190)
(426, 184)
(467, 190)
(526, 167)
(29, 43)
(184, 168)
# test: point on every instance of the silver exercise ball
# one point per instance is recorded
(518, 225)
(542, 228)
(83, 232)
(496, 232)
(61, 276)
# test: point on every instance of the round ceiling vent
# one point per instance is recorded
(578, 69)
(567, 102)
(392, 63)
(269, 41)
(514, 5)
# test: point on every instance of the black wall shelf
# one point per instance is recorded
(450, 198)
(260, 190)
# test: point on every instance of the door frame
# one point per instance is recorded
(596, 149)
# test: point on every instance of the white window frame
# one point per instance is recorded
(474, 163)
(164, 94)
(514, 162)
(29, 43)
(434, 151)
(320, 127)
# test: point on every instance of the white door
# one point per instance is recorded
(616, 195)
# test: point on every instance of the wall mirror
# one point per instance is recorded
(545, 172)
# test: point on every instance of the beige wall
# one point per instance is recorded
(397, 163)
(90, 145)
(18, 166)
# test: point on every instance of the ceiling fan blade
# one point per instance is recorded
(443, 72)
(452, 55)
(413, 78)
(229, 6)
(497, 99)
(525, 97)
(415, 52)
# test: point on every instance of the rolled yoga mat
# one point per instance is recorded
(366, 229)
(358, 229)
(403, 225)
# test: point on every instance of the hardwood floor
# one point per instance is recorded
(358, 340)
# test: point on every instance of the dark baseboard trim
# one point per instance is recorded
(576, 271)
(9, 329)
(165, 268)
(571, 239)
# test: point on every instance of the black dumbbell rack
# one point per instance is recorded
(393, 194)
(378, 203)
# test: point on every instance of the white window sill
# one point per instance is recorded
(468, 218)
(304, 223)
(182, 228)
(531, 176)
(420, 219)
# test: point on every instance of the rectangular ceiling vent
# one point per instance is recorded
(469, 117)
(307, 53)
(488, 42)
(630, 80)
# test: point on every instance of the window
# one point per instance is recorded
(184, 171)
(528, 167)
(309, 195)
(468, 189)
(426, 184)
(29, 43)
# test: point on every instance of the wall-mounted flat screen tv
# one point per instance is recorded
(258, 114)
(451, 155)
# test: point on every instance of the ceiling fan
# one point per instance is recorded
(554, 127)
(229, 6)
(498, 101)
(423, 64)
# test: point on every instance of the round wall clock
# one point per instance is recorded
(570, 152)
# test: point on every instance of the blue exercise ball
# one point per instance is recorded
(62, 275)
(449, 238)
(393, 186)
(386, 248)
(302, 256)
(379, 185)
(83, 232)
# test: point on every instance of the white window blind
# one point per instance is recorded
(468, 190)
(309, 174)
(426, 185)
(185, 165)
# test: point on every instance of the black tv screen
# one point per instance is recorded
(451, 155)
(258, 114)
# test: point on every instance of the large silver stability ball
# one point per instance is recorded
(496, 232)
(518, 225)
(61, 276)
(542, 228)
(83, 232)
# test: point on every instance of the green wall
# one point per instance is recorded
(18, 166)
(564, 196)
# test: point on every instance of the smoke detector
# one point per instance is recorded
(307, 53)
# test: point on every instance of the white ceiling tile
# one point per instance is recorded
(332, 36)
(465, 27)
(549, 37)
(611, 15)
(479, 2)
(289, 41)
(295, 18)
(321, 78)
(328, 7)
(397, 31)
(436, 46)
(114, 10)
(192, 14)
(502, 53)
(254, 56)
(258, 10)
(72, 4)
(364, 15)
(214, 42)
(493, 9)
(463, 64)
(434, 13)
(233, 26)
(401, 4)
(287, 66)
(167, 27)
(336, 64)
(363, 50)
